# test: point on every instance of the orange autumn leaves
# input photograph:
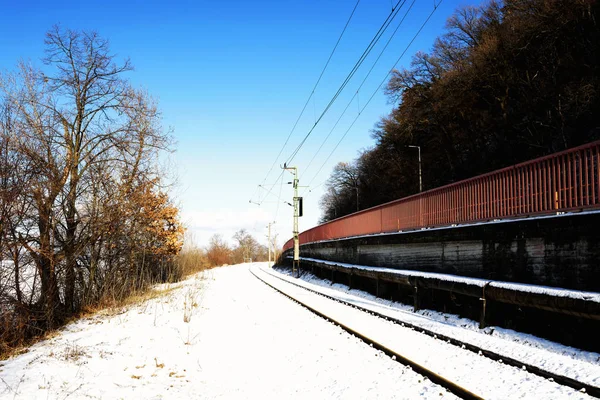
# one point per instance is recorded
(161, 219)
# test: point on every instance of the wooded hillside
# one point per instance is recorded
(508, 81)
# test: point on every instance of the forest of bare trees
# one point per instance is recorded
(509, 81)
(246, 247)
(84, 214)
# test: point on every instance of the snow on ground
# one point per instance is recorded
(27, 280)
(568, 361)
(225, 335)
(486, 378)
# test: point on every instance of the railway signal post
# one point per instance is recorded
(269, 244)
(297, 213)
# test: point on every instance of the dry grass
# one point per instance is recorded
(16, 330)
(190, 303)
(138, 298)
(73, 352)
(22, 346)
(191, 261)
(106, 306)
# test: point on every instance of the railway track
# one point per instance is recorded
(434, 377)
(449, 384)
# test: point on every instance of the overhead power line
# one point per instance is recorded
(313, 91)
(377, 89)
(364, 55)
(362, 58)
(269, 191)
(360, 86)
(280, 189)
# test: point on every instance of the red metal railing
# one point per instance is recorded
(565, 181)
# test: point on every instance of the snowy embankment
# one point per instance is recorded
(225, 335)
(577, 364)
(482, 376)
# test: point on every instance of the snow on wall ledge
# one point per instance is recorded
(481, 283)
(563, 301)
(562, 251)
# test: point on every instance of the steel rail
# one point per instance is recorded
(434, 377)
(591, 390)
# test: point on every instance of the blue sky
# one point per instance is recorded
(231, 78)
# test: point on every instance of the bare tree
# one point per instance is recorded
(93, 213)
(14, 176)
(342, 191)
(218, 252)
(103, 120)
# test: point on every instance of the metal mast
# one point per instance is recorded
(296, 262)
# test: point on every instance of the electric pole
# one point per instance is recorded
(269, 243)
(420, 179)
(297, 213)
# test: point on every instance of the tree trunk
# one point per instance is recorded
(70, 240)
(17, 274)
(46, 267)
(70, 256)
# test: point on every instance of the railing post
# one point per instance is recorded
(484, 318)
(417, 298)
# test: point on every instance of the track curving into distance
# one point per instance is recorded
(559, 379)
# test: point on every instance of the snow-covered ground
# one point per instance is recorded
(225, 335)
(574, 363)
(27, 279)
(480, 375)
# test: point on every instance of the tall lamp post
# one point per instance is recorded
(420, 179)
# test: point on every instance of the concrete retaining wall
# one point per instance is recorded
(561, 251)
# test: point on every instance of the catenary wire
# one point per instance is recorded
(313, 91)
(279, 204)
(359, 88)
(362, 58)
(366, 52)
(269, 191)
(377, 89)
